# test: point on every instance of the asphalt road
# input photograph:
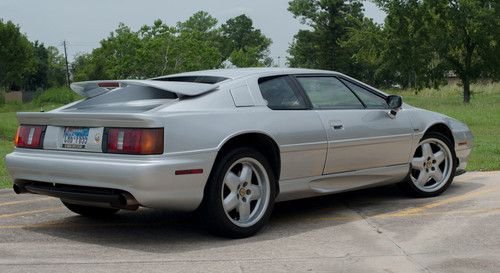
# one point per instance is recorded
(376, 230)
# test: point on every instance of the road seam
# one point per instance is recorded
(378, 231)
(418, 209)
(203, 260)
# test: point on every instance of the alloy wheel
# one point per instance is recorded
(431, 166)
(245, 192)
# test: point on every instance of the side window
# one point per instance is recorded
(280, 94)
(369, 99)
(329, 92)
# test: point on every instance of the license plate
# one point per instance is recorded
(75, 137)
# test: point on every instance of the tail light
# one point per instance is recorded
(134, 141)
(30, 136)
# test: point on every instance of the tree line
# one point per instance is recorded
(195, 44)
(419, 44)
(28, 65)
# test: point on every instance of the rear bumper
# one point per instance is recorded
(78, 194)
(151, 180)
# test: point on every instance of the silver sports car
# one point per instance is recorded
(230, 143)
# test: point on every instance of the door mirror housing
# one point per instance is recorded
(395, 102)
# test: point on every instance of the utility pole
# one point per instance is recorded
(66, 58)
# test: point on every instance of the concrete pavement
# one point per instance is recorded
(375, 230)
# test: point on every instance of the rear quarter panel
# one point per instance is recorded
(299, 135)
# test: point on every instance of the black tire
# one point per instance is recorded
(409, 186)
(88, 211)
(212, 211)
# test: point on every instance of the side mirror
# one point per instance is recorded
(395, 102)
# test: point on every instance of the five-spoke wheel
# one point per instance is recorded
(246, 191)
(432, 165)
(240, 194)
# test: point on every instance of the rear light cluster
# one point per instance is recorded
(133, 141)
(30, 136)
(116, 140)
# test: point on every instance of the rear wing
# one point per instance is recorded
(91, 89)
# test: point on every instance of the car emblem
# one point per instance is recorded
(243, 192)
(97, 138)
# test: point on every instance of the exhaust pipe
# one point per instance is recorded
(127, 201)
(19, 189)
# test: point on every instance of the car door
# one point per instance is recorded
(361, 135)
(297, 129)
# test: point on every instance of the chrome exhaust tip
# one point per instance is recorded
(127, 201)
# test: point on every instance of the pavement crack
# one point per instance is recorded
(378, 230)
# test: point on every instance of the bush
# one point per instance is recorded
(56, 95)
(2, 98)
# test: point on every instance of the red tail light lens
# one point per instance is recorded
(134, 141)
(30, 136)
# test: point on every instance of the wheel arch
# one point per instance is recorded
(443, 129)
(258, 140)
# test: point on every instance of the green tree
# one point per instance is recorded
(119, 52)
(406, 56)
(156, 48)
(466, 35)
(368, 42)
(191, 51)
(329, 22)
(116, 58)
(16, 55)
(56, 71)
(89, 66)
(195, 44)
(426, 39)
(248, 57)
(37, 78)
(243, 44)
(201, 21)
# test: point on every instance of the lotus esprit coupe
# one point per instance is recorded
(230, 143)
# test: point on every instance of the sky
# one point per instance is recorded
(84, 23)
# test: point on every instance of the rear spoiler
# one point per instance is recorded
(91, 89)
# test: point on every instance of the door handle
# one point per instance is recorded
(336, 124)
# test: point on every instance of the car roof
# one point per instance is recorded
(234, 73)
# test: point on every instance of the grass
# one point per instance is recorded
(57, 95)
(50, 99)
(482, 115)
(5, 148)
(8, 128)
